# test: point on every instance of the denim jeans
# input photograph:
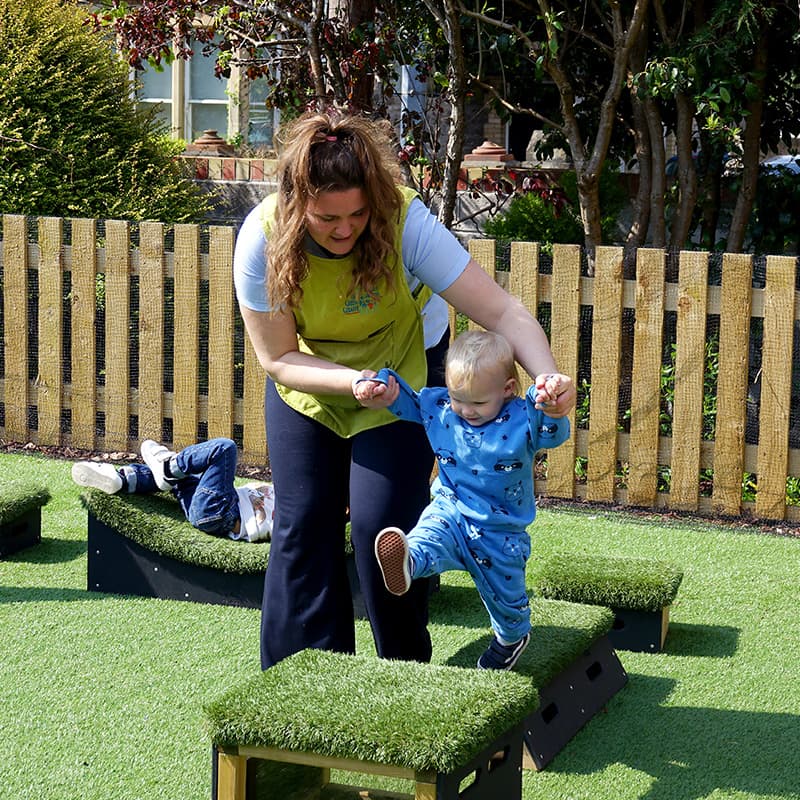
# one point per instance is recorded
(205, 491)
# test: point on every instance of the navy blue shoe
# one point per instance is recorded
(503, 656)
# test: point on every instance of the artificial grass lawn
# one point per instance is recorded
(102, 696)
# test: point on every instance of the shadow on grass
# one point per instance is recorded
(711, 641)
(50, 551)
(49, 594)
(458, 605)
(690, 752)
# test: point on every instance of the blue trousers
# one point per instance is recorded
(205, 490)
(444, 539)
(382, 476)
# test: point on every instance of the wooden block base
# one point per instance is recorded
(21, 533)
(639, 631)
(570, 701)
(494, 774)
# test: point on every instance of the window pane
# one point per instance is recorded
(209, 116)
(155, 85)
(163, 112)
(203, 83)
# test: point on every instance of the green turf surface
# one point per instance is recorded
(643, 584)
(102, 696)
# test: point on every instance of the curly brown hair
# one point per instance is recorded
(330, 152)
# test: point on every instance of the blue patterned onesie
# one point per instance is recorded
(483, 499)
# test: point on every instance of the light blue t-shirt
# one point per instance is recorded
(431, 255)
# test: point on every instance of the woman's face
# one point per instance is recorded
(335, 220)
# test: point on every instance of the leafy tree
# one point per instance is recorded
(71, 140)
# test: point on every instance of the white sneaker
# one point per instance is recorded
(256, 510)
(155, 455)
(97, 475)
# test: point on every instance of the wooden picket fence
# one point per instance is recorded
(169, 318)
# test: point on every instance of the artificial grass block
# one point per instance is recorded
(639, 592)
(21, 501)
(20, 496)
(157, 523)
(625, 583)
(422, 717)
(569, 659)
(142, 544)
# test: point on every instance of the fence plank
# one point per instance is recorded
(606, 359)
(221, 316)
(565, 326)
(648, 341)
(151, 330)
(485, 253)
(186, 341)
(254, 436)
(15, 316)
(734, 342)
(49, 381)
(523, 282)
(118, 314)
(83, 353)
(776, 387)
(690, 351)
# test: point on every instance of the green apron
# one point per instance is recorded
(381, 328)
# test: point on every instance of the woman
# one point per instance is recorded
(341, 272)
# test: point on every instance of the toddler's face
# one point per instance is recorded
(480, 401)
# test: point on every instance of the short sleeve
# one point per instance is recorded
(250, 263)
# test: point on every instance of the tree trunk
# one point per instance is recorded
(360, 12)
(658, 184)
(637, 235)
(751, 152)
(687, 174)
(447, 15)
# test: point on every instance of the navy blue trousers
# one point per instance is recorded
(382, 476)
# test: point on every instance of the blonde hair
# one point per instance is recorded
(332, 152)
(473, 352)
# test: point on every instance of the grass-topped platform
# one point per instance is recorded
(21, 502)
(639, 591)
(440, 726)
(143, 545)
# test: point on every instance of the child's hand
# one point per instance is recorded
(374, 392)
(555, 394)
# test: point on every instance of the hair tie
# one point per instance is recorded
(331, 138)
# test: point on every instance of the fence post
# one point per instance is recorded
(82, 331)
(690, 362)
(49, 383)
(606, 359)
(565, 329)
(186, 339)
(117, 343)
(648, 342)
(776, 387)
(732, 381)
(221, 316)
(15, 316)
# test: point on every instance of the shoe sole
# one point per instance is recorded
(391, 550)
(86, 476)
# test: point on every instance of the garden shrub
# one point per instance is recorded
(532, 218)
(529, 218)
(72, 142)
